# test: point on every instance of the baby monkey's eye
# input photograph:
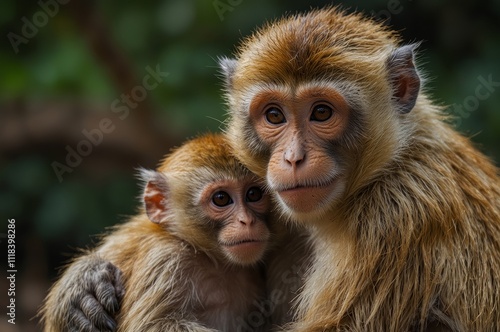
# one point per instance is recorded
(221, 199)
(321, 113)
(254, 194)
(274, 115)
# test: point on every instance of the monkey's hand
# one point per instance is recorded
(94, 290)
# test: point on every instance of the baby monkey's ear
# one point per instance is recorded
(156, 195)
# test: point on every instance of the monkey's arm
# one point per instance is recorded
(86, 297)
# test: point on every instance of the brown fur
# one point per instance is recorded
(285, 270)
(171, 270)
(414, 241)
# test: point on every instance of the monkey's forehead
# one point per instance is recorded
(314, 45)
(202, 176)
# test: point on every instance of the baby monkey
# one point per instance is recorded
(189, 259)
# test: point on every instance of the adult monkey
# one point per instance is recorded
(403, 212)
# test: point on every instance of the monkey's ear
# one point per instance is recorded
(227, 66)
(404, 77)
(156, 195)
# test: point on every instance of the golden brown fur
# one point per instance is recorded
(285, 270)
(413, 243)
(170, 269)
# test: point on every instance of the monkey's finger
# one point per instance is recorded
(106, 295)
(118, 283)
(96, 314)
(79, 322)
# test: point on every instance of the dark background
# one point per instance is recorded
(64, 78)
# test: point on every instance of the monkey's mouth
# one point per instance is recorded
(247, 251)
(305, 198)
(242, 242)
(306, 186)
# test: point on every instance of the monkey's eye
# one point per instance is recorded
(254, 194)
(274, 115)
(321, 113)
(221, 198)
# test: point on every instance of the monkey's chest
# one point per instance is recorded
(227, 301)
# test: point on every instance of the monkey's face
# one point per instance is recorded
(238, 208)
(301, 126)
(201, 194)
(317, 105)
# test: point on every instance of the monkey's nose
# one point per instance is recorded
(294, 158)
(245, 219)
(295, 153)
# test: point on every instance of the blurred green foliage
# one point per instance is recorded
(185, 37)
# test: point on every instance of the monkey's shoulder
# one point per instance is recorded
(138, 242)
